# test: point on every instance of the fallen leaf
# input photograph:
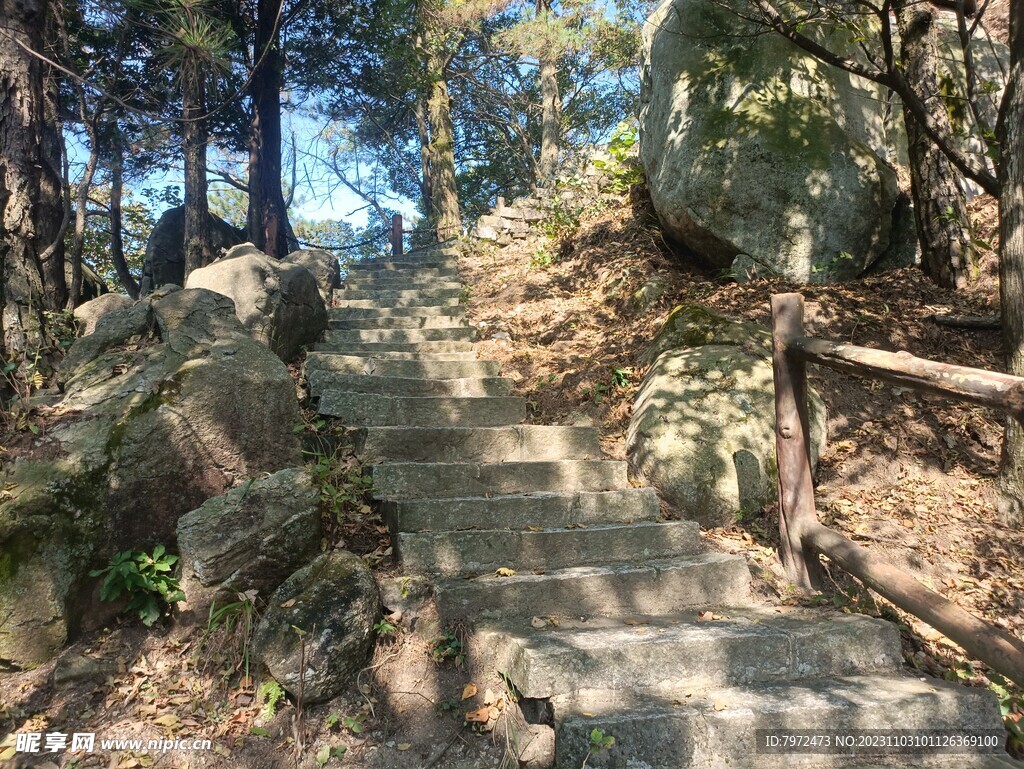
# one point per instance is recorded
(288, 604)
(479, 716)
(404, 745)
(505, 572)
(469, 690)
(720, 706)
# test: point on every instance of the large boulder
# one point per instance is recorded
(165, 250)
(89, 313)
(278, 302)
(324, 266)
(334, 603)
(253, 537)
(167, 403)
(703, 425)
(760, 159)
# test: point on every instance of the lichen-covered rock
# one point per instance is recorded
(146, 432)
(253, 537)
(703, 425)
(759, 158)
(335, 603)
(89, 313)
(165, 249)
(278, 302)
(694, 325)
(324, 266)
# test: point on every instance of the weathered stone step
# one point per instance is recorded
(331, 342)
(377, 366)
(453, 553)
(378, 313)
(391, 281)
(371, 410)
(742, 647)
(518, 511)
(403, 272)
(392, 355)
(400, 335)
(383, 303)
(476, 387)
(684, 728)
(407, 322)
(436, 480)
(659, 587)
(438, 261)
(513, 443)
(387, 295)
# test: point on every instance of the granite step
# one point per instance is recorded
(398, 367)
(372, 410)
(512, 443)
(476, 387)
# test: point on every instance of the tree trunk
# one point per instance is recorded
(198, 244)
(444, 193)
(268, 213)
(551, 106)
(940, 207)
(424, 134)
(131, 286)
(30, 178)
(81, 212)
(1011, 246)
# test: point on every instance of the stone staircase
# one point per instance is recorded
(611, 619)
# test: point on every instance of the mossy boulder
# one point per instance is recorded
(760, 159)
(253, 537)
(167, 403)
(334, 603)
(703, 425)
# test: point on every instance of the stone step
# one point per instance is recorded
(659, 587)
(384, 295)
(391, 281)
(456, 311)
(409, 368)
(476, 387)
(438, 480)
(381, 303)
(404, 271)
(439, 262)
(541, 510)
(400, 336)
(331, 342)
(371, 410)
(407, 322)
(513, 443)
(684, 728)
(453, 553)
(742, 647)
(389, 355)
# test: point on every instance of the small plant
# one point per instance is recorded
(620, 377)
(385, 628)
(269, 695)
(543, 258)
(624, 170)
(599, 742)
(233, 624)
(595, 393)
(147, 579)
(448, 647)
(1011, 707)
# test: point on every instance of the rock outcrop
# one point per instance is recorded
(279, 303)
(324, 266)
(760, 159)
(703, 424)
(89, 313)
(167, 403)
(334, 603)
(165, 250)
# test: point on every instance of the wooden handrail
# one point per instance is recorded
(804, 537)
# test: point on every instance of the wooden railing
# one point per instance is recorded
(804, 538)
(396, 235)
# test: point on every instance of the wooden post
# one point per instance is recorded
(396, 235)
(792, 444)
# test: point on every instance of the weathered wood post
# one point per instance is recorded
(396, 235)
(793, 443)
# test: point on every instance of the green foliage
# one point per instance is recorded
(600, 741)
(146, 579)
(385, 628)
(327, 752)
(269, 695)
(623, 167)
(596, 392)
(562, 220)
(448, 648)
(233, 623)
(543, 258)
(621, 376)
(344, 488)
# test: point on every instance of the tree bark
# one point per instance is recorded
(551, 106)
(30, 179)
(124, 274)
(81, 211)
(1011, 246)
(268, 213)
(424, 134)
(940, 206)
(198, 241)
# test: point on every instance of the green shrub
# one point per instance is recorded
(146, 579)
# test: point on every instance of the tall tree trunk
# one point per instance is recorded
(124, 274)
(551, 105)
(940, 207)
(198, 241)
(30, 178)
(424, 134)
(1011, 247)
(268, 213)
(444, 193)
